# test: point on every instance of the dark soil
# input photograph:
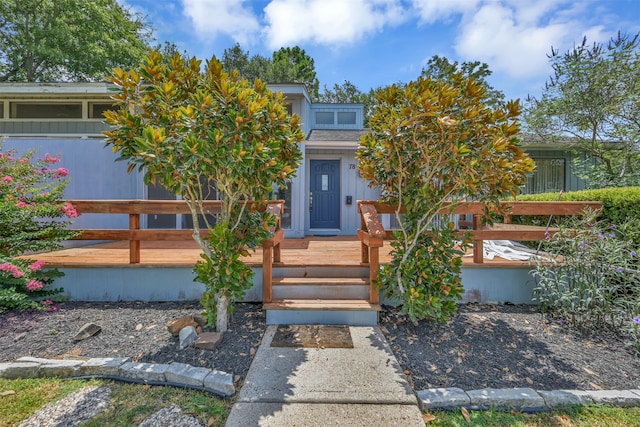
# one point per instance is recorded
(482, 346)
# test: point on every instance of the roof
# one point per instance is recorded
(338, 138)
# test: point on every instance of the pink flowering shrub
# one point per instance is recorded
(33, 218)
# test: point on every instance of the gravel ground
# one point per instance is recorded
(482, 346)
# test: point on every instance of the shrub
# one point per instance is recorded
(619, 205)
(591, 277)
(31, 220)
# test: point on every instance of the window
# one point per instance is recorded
(97, 109)
(285, 194)
(38, 110)
(289, 108)
(324, 118)
(1, 110)
(347, 118)
(549, 176)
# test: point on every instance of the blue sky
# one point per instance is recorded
(375, 43)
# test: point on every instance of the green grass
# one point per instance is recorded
(576, 416)
(130, 403)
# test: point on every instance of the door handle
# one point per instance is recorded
(310, 201)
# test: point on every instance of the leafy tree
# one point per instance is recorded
(439, 68)
(592, 103)
(78, 40)
(186, 128)
(287, 65)
(252, 68)
(433, 142)
(347, 92)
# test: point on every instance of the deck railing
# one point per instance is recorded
(372, 233)
(135, 235)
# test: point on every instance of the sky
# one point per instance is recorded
(374, 43)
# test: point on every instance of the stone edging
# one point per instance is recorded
(221, 383)
(524, 399)
(123, 369)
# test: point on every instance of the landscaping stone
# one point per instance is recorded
(208, 340)
(144, 371)
(54, 367)
(108, 366)
(220, 383)
(175, 326)
(442, 398)
(15, 370)
(181, 373)
(187, 336)
(518, 398)
(622, 398)
(555, 398)
(87, 330)
(200, 320)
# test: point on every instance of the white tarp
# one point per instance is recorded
(506, 249)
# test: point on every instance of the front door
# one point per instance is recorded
(324, 194)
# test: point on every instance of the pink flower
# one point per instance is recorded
(60, 172)
(49, 304)
(17, 273)
(50, 159)
(36, 266)
(69, 210)
(34, 285)
(7, 178)
(22, 205)
(5, 266)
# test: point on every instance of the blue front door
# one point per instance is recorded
(324, 194)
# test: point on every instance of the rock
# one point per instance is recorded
(187, 336)
(200, 320)
(175, 326)
(208, 340)
(87, 330)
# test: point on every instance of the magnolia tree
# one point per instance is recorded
(32, 213)
(188, 128)
(433, 142)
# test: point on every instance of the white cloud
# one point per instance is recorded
(512, 36)
(329, 22)
(430, 11)
(215, 17)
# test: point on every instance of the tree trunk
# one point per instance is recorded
(222, 313)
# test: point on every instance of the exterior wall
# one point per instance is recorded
(350, 185)
(93, 174)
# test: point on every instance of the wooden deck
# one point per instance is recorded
(309, 251)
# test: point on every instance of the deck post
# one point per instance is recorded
(267, 271)
(134, 244)
(478, 244)
(374, 264)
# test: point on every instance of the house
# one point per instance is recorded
(66, 119)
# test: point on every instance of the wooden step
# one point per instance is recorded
(323, 281)
(320, 304)
(321, 312)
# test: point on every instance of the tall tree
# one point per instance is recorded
(293, 65)
(186, 127)
(433, 142)
(440, 68)
(250, 68)
(79, 40)
(593, 98)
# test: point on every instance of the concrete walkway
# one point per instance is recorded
(360, 386)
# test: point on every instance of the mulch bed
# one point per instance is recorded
(481, 346)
